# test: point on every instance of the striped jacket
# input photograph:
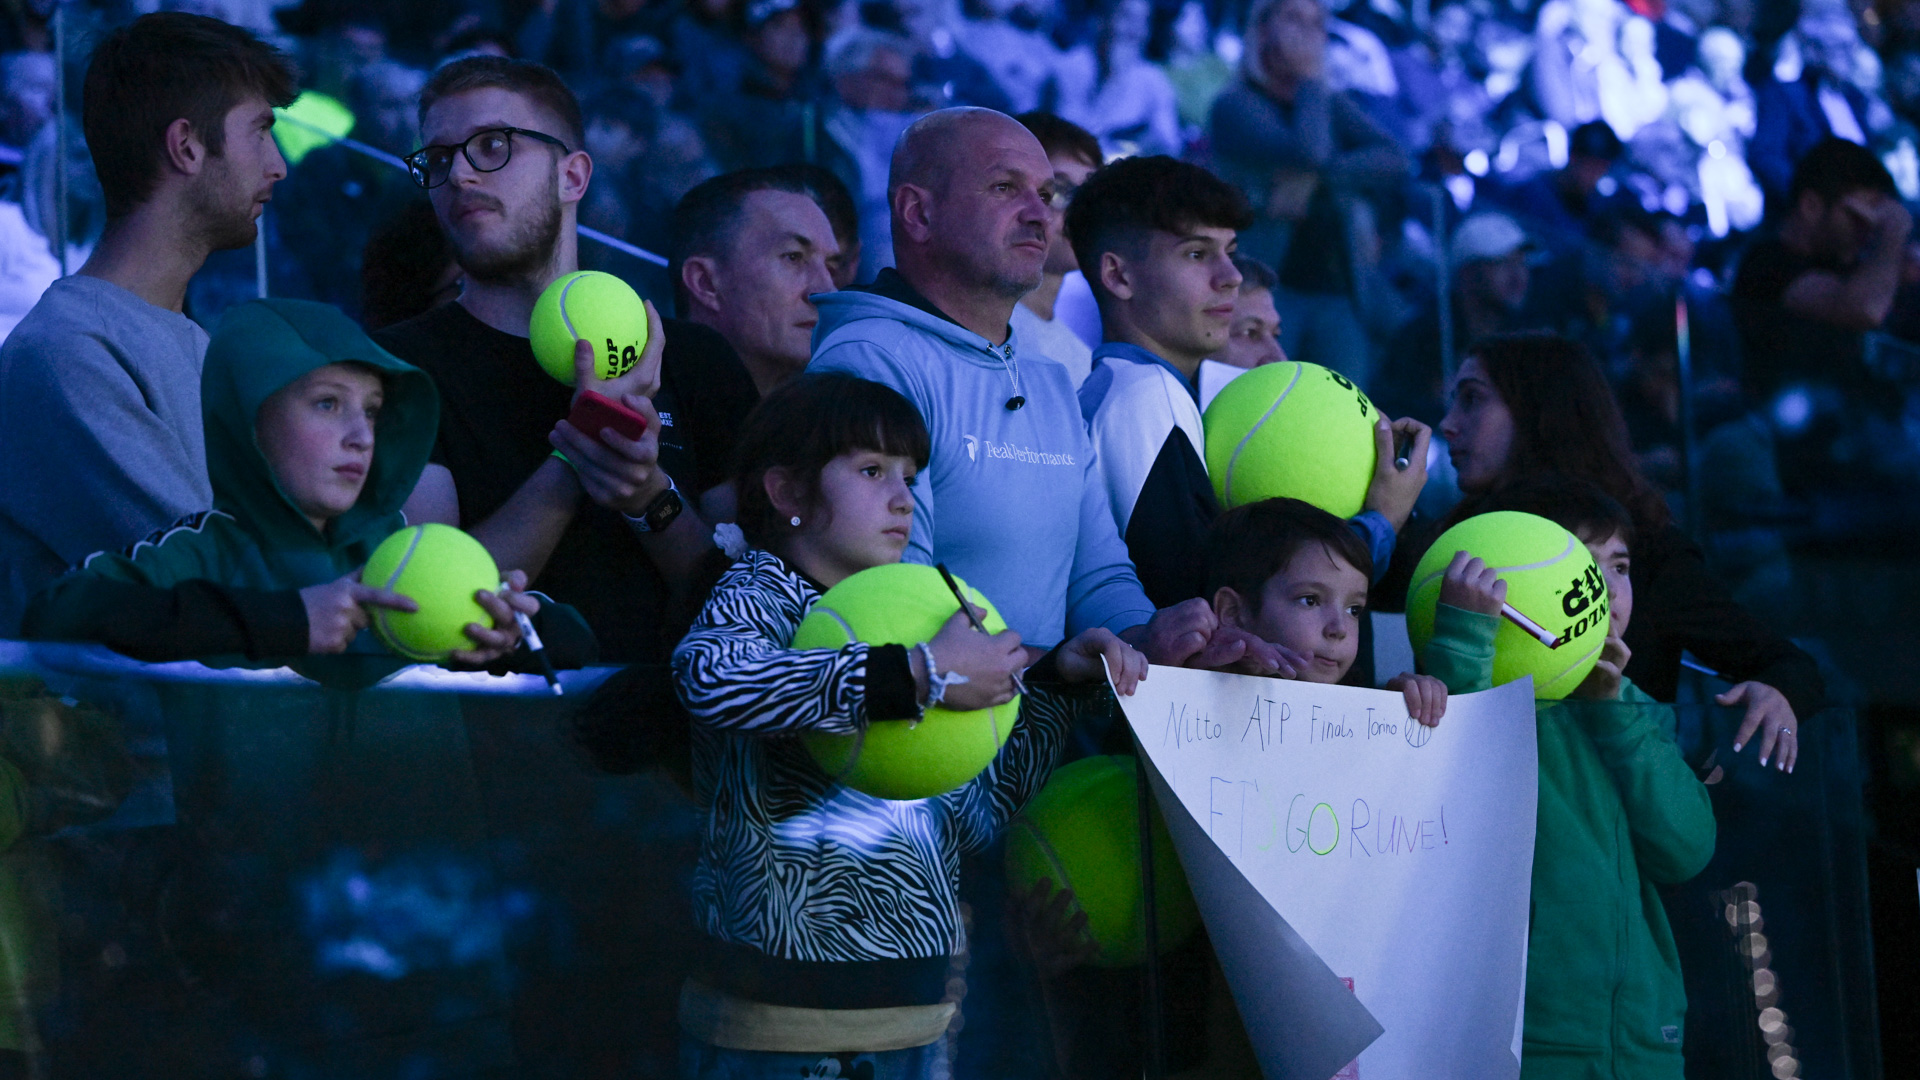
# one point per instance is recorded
(791, 863)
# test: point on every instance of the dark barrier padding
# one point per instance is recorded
(428, 879)
(424, 879)
(1795, 847)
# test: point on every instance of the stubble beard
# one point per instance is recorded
(527, 251)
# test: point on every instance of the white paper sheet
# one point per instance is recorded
(1393, 855)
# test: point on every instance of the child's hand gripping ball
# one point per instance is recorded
(597, 307)
(440, 569)
(1551, 579)
(903, 604)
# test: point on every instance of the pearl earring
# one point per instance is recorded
(794, 521)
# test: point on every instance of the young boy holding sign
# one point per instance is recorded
(1619, 812)
(1296, 576)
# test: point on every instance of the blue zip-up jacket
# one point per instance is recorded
(1011, 499)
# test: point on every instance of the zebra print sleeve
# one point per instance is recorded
(735, 673)
(984, 806)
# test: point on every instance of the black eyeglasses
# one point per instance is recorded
(486, 151)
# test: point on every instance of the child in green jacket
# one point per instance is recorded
(315, 438)
(1619, 812)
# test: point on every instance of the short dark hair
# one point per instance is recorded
(1058, 136)
(1249, 544)
(1122, 203)
(1596, 139)
(831, 193)
(706, 218)
(806, 422)
(1835, 168)
(1255, 274)
(1578, 506)
(165, 67)
(537, 82)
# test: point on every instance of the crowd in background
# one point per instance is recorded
(1587, 166)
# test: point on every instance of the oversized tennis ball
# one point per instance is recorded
(1551, 578)
(903, 604)
(1292, 429)
(592, 305)
(439, 568)
(1083, 832)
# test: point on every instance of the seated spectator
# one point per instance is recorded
(1490, 257)
(315, 437)
(622, 124)
(1620, 813)
(1111, 89)
(1303, 152)
(1011, 41)
(106, 367)
(872, 105)
(337, 196)
(1558, 206)
(1155, 238)
(764, 120)
(1799, 104)
(835, 201)
(945, 71)
(1805, 295)
(751, 249)
(504, 172)
(1074, 154)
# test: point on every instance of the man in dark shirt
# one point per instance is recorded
(1805, 296)
(621, 555)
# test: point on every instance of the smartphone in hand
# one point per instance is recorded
(593, 413)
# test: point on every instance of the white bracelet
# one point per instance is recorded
(937, 683)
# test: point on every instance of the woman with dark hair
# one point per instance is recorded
(1525, 405)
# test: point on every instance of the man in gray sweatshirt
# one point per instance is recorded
(100, 383)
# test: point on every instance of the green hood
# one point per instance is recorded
(263, 346)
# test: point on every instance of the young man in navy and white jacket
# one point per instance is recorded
(1155, 238)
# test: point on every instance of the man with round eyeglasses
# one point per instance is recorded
(602, 523)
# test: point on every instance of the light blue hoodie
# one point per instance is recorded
(1011, 499)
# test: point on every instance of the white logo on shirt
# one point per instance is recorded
(1009, 452)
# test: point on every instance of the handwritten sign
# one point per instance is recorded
(1364, 878)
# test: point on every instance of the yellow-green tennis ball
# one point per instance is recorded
(439, 568)
(1551, 578)
(592, 305)
(1083, 832)
(1295, 430)
(903, 604)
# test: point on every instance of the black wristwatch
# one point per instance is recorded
(660, 513)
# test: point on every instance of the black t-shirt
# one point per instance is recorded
(1782, 348)
(497, 406)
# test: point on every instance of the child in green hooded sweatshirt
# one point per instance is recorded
(1619, 812)
(315, 438)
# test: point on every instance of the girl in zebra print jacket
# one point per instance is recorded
(831, 915)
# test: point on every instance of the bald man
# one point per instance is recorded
(1009, 500)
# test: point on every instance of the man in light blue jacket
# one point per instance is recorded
(1010, 500)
